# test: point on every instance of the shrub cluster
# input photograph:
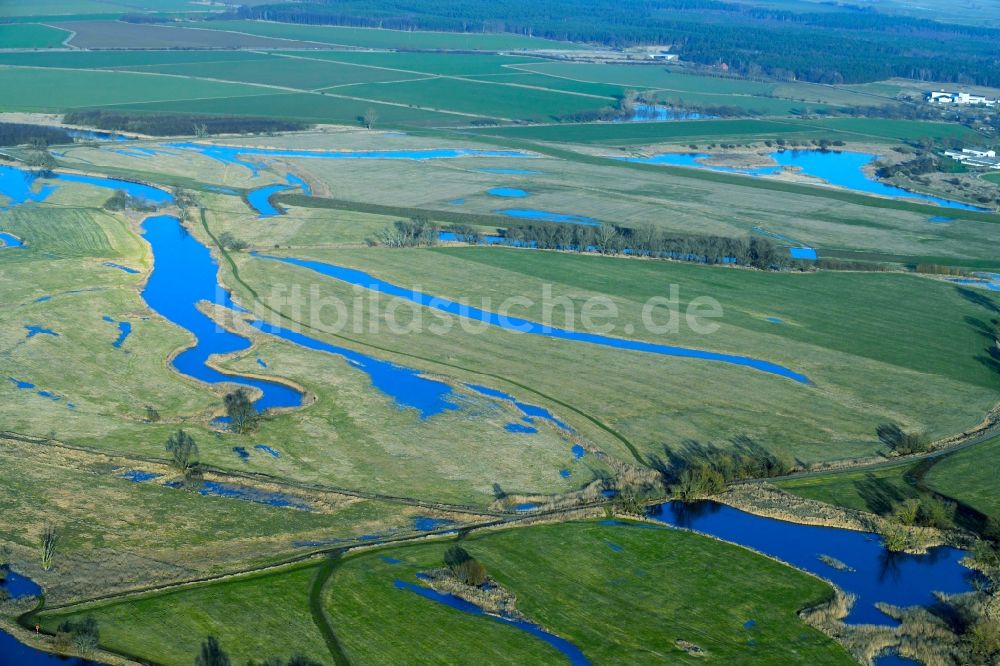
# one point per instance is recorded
(899, 441)
(700, 470)
(466, 568)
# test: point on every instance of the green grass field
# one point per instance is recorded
(576, 580)
(967, 476)
(91, 34)
(676, 86)
(992, 177)
(970, 476)
(58, 90)
(31, 36)
(122, 59)
(297, 73)
(392, 39)
(619, 593)
(336, 107)
(71, 7)
(701, 131)
(445, 64)
(874, 491)
(253, 617)
(481, 99)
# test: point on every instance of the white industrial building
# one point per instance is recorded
(959, 98)
(976, 157)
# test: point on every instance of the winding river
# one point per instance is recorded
(185, 274)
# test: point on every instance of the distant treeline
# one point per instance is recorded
(16, 134)
(837, 45)
(176, 124)
(648, 241)
(609, 239)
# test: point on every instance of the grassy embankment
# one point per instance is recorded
(967, 477)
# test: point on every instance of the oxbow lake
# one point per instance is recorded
(840, 168)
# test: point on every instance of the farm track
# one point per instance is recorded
(260, 477)
(987, 430)
(333, 555)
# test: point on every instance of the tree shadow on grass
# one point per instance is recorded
(986, 329)
(991, 359)
(978, 298)
(878, 494)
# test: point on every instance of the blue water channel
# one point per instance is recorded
(846, 170)
(695, 160)
(644, 113)
(185, 274)
(232, 154)
(20, 186)
(548, 216)
(15, 653)
(570, 651)
(407, 387)
(878, 575)
(362, 279)
(260, 199)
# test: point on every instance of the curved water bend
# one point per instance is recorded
(184, 274)
(9, 241)
(406, 386)
(570, 651)
(874, 574)
(362, 279)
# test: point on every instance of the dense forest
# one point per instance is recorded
(170, 124)
(17, 134)
(846, 45)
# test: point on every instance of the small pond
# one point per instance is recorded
(570, 651)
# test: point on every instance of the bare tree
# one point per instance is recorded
(50, 537)
(370, 118)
